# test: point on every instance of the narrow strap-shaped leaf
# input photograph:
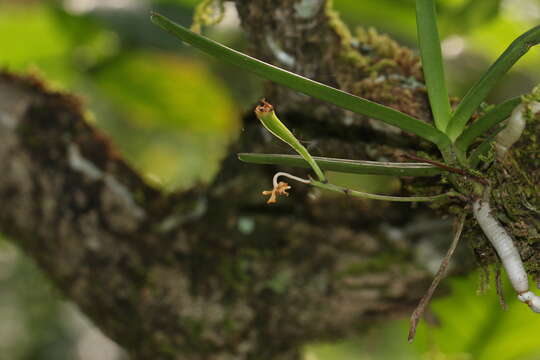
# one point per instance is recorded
(304, 85)
(493, 117)
(344, 165)
(432, 62)
(481, 89)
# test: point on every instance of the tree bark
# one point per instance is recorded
(214, 272)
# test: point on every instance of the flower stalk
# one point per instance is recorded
(265, 113)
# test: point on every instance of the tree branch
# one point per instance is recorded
(209, 272)
(308, 38)
(214, 273)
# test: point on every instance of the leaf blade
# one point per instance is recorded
(304, 85)
(345, 165)
(474, 97)
(493, 117)
(432, 62)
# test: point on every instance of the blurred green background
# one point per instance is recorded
(172, 112)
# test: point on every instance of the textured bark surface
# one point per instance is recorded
(308, 38)
(212, 273)
(215, 273)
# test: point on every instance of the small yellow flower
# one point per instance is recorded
(280, 189)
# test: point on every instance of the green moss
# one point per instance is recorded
(348, 53)
(280, 282)
(380, 65)
(208, 13)
(514, 195)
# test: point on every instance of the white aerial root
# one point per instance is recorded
(510, 258)
(514, 128)
(495, 232)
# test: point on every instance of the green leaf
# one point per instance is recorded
(493, 117)
(345, 165)
(483, 148)
(432, 62)
(481, 89)
(304, 85)
(265, 113)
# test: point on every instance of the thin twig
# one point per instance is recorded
(436, 163)
(419, 311)
(448, 168)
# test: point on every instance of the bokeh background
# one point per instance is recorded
(172, 112)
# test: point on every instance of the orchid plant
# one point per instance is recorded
(452, 133)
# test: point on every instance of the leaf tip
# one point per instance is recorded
(241, 156)
(154, 16)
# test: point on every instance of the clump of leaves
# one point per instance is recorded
(451, 134)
